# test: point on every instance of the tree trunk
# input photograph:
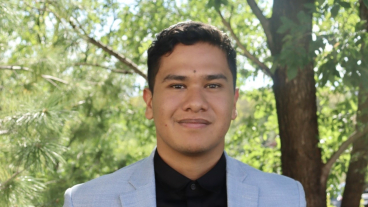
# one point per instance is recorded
(355, 178)
(297, 110)
(356, 175)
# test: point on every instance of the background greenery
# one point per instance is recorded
(71, 108)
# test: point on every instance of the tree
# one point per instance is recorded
(90, 53)
(296, 98)
(288, 34)
(356, 175)
(62, 114)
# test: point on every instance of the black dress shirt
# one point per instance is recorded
(175, 190)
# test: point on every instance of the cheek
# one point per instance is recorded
(224, 105)
(165, 106)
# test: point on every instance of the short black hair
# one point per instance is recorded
(187, 33)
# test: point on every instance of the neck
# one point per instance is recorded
(192, 166)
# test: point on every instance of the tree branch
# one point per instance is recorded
(3, 185)
(13, 67)
(119, 56)
(352, 138)
(2, 132)
(78, 28)
(49, 77)
(246, 53)
(53, 83)
(263, 20)
(104, 67)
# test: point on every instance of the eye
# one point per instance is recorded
(177, 86)
(213, 85)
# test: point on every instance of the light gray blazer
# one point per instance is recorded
(134, 186)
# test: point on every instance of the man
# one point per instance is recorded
(192, 100)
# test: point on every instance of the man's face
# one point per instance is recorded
(194, 100)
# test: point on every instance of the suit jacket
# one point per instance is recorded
(134, 186)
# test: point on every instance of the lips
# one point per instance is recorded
(194, 123)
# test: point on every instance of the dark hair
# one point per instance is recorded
(187, 33)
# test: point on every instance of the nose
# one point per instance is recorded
(195, 100)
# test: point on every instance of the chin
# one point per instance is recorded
(195, 150)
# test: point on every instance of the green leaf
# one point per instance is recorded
(320, 2)
(217, 3)
(359, 26)
(287, 21)
(273, 68)
(335, 10)
(365, 3)
(211, 3)
(283, 29)
(327, 71)
(364, 78)
(303, 17)
(344, 4)
(224, 2)
(286, 25)
(292, 72)
(311, 7)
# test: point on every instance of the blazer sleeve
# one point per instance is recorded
(68, 198)
(302, 202)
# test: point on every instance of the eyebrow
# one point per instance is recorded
(183, 78)
(174, 77)
(215, 77)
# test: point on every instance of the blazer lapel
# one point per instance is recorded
(239, 194)
(143, 181)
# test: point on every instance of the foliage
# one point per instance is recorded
(253, 137)
(71, 112)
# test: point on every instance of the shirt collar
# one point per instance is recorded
(168, 175)
(211, 181)
(216, 177)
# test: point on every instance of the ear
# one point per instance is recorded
(147, 96)
(234, 113)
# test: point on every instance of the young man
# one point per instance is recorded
(192, 100)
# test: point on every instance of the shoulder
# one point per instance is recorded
(107, 187)
(108, 181)
(260, 178)
(272, 188)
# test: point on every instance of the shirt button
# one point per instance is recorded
(193, 186)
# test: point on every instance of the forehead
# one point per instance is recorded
(198, 58)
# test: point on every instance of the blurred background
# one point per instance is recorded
(72, 74)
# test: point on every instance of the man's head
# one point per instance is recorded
(188, 33)
(192, 73)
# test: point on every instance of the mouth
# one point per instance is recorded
(194, 123)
